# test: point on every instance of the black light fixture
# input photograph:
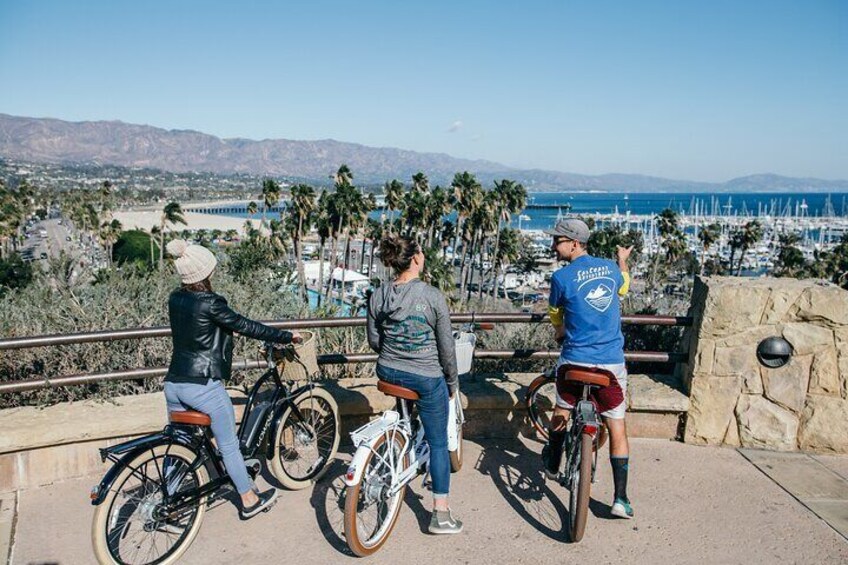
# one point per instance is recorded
(774, 352)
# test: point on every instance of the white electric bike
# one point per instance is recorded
(391, 451)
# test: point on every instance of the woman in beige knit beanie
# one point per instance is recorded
(202, 327)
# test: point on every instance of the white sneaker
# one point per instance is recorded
(622, 509)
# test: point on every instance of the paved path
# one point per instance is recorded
(693, 505)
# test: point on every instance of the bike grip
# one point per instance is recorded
(484, 326)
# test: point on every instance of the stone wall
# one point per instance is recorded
(736, 401)
(39, 446)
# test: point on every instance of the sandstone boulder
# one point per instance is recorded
(824, 302)
(824, 373)
(824, 424)
(782, 300)
(732, 307)
(806, 337)
(711, 404)
(736, 360)
(763, 424)
(788, 385)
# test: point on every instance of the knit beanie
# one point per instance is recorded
(194, 263)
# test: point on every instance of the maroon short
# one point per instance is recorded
(606, 399)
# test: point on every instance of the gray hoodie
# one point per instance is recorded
(409, 326)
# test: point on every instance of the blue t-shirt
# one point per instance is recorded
(587, 291)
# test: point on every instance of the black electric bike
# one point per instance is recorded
(151, 502)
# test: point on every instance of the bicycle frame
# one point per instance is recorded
(584, 420)
(386, 426)
(199, 440)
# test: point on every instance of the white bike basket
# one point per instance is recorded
(465, 342)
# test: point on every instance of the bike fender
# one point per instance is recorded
(357, 464)
(98, 493)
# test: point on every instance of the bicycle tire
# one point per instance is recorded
(317, 403)
(103, 542)
(356, 544)
(581, 486)
(538, 403)
(537, 408)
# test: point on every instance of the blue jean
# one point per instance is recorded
(212, 399)
(433, 411)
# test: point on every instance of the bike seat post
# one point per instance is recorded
(404, 408)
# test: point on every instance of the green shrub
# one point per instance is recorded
(134, 246)
(14, 273)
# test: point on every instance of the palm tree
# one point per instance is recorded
(394, 199)
(790, 260)
(485, 220)
(270, 195)
(415, 212)
(369, 203)
(374, 232)
(252, 209)
(300, 216)
(323, 225)
(342, 177)
(154, 231)
(750, 234)
(420, 182)
(277, 238)
(172, 214)
(437, 205)
(467, 197)
(506, 253)
(109, 234)
(510, 198)
(708, 235)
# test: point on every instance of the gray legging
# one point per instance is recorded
(212, 399)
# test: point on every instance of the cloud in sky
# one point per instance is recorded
(456, 126)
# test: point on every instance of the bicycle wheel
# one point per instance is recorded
(540, 402)
(456, 454)
(370, 512)
(581, 484)
(125, 529)
(303, 448)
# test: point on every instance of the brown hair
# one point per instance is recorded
(397, 252)
(203, 286)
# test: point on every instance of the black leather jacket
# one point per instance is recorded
(202, 327)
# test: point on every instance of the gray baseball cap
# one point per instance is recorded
(571, 228)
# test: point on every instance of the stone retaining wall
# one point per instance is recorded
(40, 446)
(736, 401)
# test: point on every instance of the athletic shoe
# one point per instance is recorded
(443, 523)
(265, 502)
(621, 508)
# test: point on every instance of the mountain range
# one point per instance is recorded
(130, 145)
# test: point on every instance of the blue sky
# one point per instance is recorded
(681, 89)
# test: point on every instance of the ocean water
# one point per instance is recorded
(590, 203)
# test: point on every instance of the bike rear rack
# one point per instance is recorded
(369, 430)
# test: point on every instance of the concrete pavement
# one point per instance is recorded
(693, 505)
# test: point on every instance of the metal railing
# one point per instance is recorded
(8, 344)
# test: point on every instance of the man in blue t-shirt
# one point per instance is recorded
(586, 314)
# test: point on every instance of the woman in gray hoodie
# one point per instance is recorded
(409, 326)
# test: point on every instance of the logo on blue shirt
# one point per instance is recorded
(599, 296)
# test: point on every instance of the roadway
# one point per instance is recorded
(693, 505)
